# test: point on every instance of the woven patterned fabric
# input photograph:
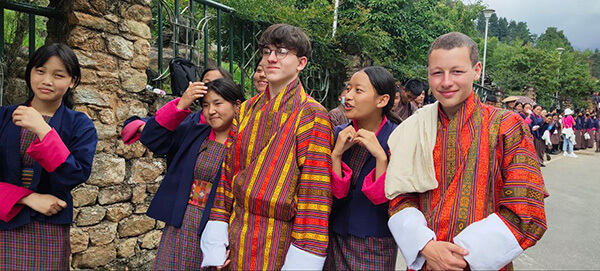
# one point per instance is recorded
(485, 163)
(35, 246)
(210, 157)
(337, 116)
(27, 137)
(179, 248)
(358, 157)
(355, 253)
(275, 190)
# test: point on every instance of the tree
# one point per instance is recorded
(552, 39)
(397, 33)
(594, 60)
(502, 29)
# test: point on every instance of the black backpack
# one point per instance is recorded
(182, 72)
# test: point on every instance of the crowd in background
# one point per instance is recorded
(547, 125)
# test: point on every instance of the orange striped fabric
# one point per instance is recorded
(275, 190)
(485, 163)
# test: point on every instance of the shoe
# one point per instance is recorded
(548, 157)
(564, 154)
(572, 155)
(542, 165)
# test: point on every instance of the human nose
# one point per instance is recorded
(212, 110)
(447, 81)
(272, 56)
(47, 80)
(349, 95)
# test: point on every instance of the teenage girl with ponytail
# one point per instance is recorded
(359, 237)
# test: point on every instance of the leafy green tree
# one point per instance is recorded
(594, 60)
(502, 29)
(397, 33)
(552, 39)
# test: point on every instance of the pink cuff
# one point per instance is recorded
(202, 119)
(374, 189)
(169, 116)
(341, 186)
(528, 120)
(9, 196)
(130, 132)
(51, 152)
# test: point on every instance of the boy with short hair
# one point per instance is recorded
(479, 199)
(273, 202)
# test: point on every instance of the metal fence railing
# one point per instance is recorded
(32, 12)
(209, 33)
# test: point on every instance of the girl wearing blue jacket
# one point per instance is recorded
(46, 150)
(186, 194)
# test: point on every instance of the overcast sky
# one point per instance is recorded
(579, 19)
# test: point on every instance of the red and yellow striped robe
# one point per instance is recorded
(485, 163)
(275, 190)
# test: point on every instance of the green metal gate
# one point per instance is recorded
(32, 11)
(204, 31)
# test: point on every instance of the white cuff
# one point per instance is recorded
(214, 242)
(297, 259)
(411, 233)
(490, 243)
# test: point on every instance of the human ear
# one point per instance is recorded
(477, 69)
(302, 61)
(72, 82)
(383, 100)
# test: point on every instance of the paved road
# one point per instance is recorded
(572, 241)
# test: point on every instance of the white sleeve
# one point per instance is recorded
(297, 259)
(214, 242)
(411, 233)
(490, 243)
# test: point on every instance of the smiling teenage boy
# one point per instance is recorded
(273, 202)
(480, 201)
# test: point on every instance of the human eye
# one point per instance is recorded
(282, 51)
(266, 51)
(39, 70)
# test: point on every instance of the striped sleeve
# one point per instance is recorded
(402, 202)
(223, 205)
(314, 144)
(521, 204)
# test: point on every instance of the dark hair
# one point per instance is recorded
(491, 98)
(257, 63)
(518, 103)
(538, 105)
(226, 88)
(66, 56)
(527, 104)
(453, 40)
(383, 82)
(288, 36)
(415, 86)
(223, 72)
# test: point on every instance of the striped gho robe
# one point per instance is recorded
(275, 191)
(490, 194)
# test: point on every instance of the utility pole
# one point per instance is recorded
(335, 17)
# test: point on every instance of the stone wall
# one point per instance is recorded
(112, 42)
